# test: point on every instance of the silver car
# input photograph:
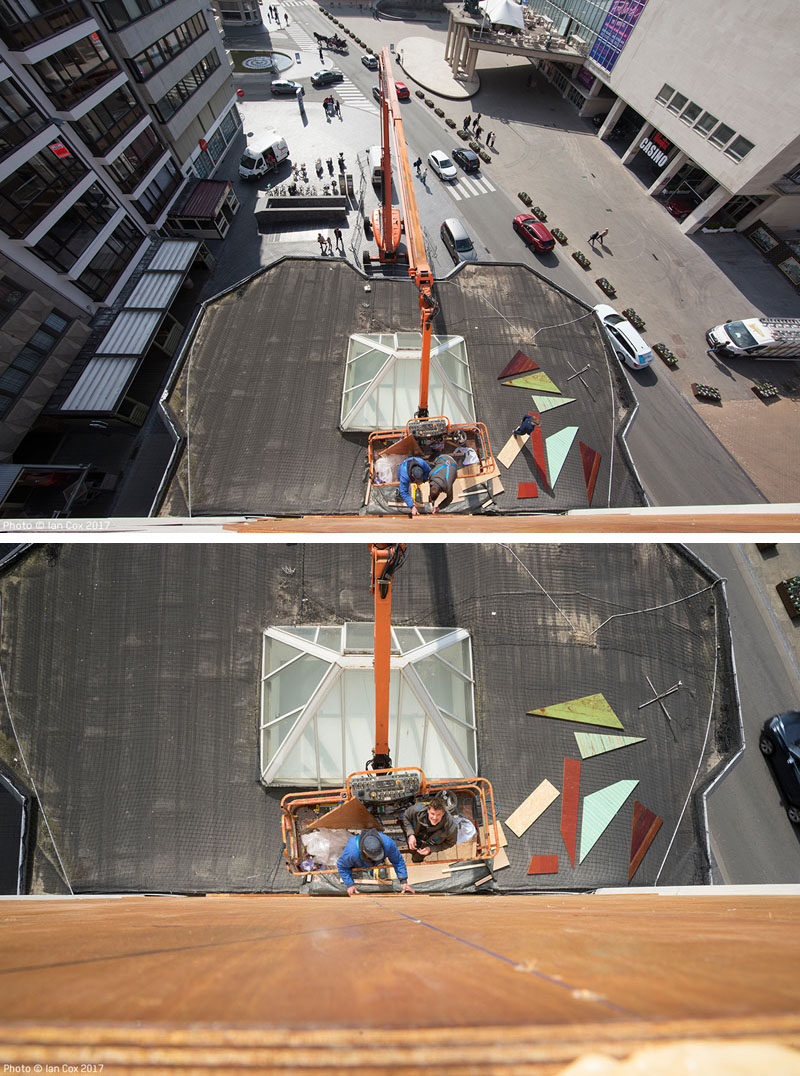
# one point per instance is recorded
(456, 238)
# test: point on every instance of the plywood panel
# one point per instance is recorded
(352, 814)
(511, 449)
(531, 808)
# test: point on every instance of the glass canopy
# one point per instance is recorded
(318, 703)
(381, 381)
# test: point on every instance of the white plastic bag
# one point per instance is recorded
(383, 470)
(466, 829)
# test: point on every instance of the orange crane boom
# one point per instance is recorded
(386, 559)
(418, 268)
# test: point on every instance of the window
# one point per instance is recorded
(19, 373)
(677, 102)
(18, 117)
(11, 295)
(158, 194)
(691, 112)
(30, 193)
(77, 228)
(721, 135)
(119, 13)
(664, 93)
(180, 93)
(740, 147)
(106, 267)
(318, 702)
(706, 123)
(28, 23)
(74, 72)
(162, 51)
(133, 164)
(107, 122)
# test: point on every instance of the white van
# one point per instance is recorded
(757, 338)
(374, 165)
(258, 160)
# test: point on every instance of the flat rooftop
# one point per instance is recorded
(258, 395)
(133, 676)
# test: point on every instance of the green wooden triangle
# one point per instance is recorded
(599, 809)
(590, 710)
(547, 403)
(557, 446)
(598, 743)
(537, 380)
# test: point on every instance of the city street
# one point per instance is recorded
(685, 452)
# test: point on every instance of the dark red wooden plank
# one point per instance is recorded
(543, 865)
(570, 797)
(591, 465)
(646, 825)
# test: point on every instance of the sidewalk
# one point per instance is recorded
(680, 285)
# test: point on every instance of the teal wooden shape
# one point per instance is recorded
(599, 809)
(547, 403)
(598, 743)
(557, 446)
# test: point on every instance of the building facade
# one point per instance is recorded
(696, 99)
(105, 109)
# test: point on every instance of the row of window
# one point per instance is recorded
(107, 266)
(74, 72)
(29, 194)
(180, 93)
(16, 377)
(103, 126)
(119, 13)
(28, 22)
(157, 55)
(709, 126)
(19, 119)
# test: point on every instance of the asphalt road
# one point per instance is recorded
(679, 460)
(752, 840)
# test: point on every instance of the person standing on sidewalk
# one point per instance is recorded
(467, 122)
(323, 247)
(337, 232)
(593, 238)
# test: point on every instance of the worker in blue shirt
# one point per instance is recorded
(369, 849)
(444, 470)
(414, 469)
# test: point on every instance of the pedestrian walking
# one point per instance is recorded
(418, 164)
(337, 108)
(323, 249)
(489, 140)
(478, 131)
(321, 57)
(467, 122)
(601, 236)
(286, 17)
(424, 175)
(339, 241)
(594, 237)
(477, 120)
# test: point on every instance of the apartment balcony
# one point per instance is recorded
(39, 28)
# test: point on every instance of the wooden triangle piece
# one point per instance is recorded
(352, 814)
(591, 465)
(570, 795)
(599, 810)
(589, 710)
(520, 364)
(557, 447)
(538, 380)
(646, 825)
(600, 743)
(538, 453)
(547, 403)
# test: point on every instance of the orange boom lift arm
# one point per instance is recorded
(418, 268)
(386, 559)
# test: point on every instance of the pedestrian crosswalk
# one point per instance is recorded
(470, 186)
(349, 94)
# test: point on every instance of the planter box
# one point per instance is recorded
(607, 287)
(633, 318)
(666, 355)
(524, 198)
(789, 593)
(539, 213)
(706, 392)
(765, 390)
(582, 260)
(559, 236)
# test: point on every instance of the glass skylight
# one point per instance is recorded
(381, 381)
(318, 703)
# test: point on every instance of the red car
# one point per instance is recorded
(533, 233)
(403, 92)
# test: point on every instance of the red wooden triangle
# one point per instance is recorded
(570, 795)
(520, 364)
(537, 448)
(646, 825)
(591, 465)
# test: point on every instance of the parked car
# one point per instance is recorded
(533, 233)
(442, 165)
(625, 340)
(403, 92)
(326, 77)
(284, 85)
(468, 160)
(456, 238)
(780, 746)
(370, 62)
(681, 207)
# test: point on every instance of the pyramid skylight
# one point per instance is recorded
(381, 381)
(318, 703)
